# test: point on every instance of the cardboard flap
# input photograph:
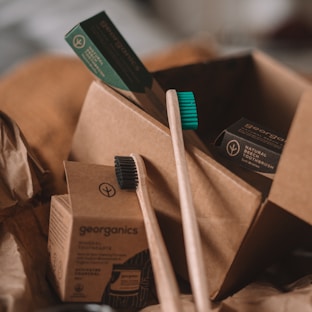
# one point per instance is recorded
(291, 188)
(96, 187)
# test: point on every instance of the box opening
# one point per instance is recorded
(248, 85)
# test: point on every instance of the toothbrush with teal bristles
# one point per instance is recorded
(182, 115)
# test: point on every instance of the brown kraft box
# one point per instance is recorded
(245, 219)
(97, 244)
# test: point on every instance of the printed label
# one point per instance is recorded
(125, 280)
(129, 284)
(251, 146)
(107, 54)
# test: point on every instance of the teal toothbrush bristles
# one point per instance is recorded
(188, 110)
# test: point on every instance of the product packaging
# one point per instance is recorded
(102, 48)
(97, 244)
(251, 146)
(243, 229)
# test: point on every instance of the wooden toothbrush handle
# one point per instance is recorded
(166, 285)
(192, 240)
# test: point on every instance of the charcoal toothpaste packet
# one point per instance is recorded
(252, 146)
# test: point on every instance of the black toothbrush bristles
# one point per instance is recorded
(126, 172)
(131, 174)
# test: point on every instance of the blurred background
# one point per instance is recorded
(281, 28)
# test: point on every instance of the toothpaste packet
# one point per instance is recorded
(105, 52)
(251, 146)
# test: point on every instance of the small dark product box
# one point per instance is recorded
(252, 146)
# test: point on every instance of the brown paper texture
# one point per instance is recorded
(28, 228)
(20, 171)
(259, 297)
(14, 288)
(23, 224)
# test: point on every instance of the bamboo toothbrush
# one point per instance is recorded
(182, 114)
(131, 174)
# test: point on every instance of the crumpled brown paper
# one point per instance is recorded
(20, 171)
(14, 288)
(259, 297)
(23, 223)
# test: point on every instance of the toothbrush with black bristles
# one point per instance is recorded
(131, 174)
(182, 115)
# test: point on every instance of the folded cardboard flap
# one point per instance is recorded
(284, 220)
(292, 186)
(270, 239)
(252, 86)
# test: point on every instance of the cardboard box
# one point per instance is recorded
(97, 243)
(244, 224)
